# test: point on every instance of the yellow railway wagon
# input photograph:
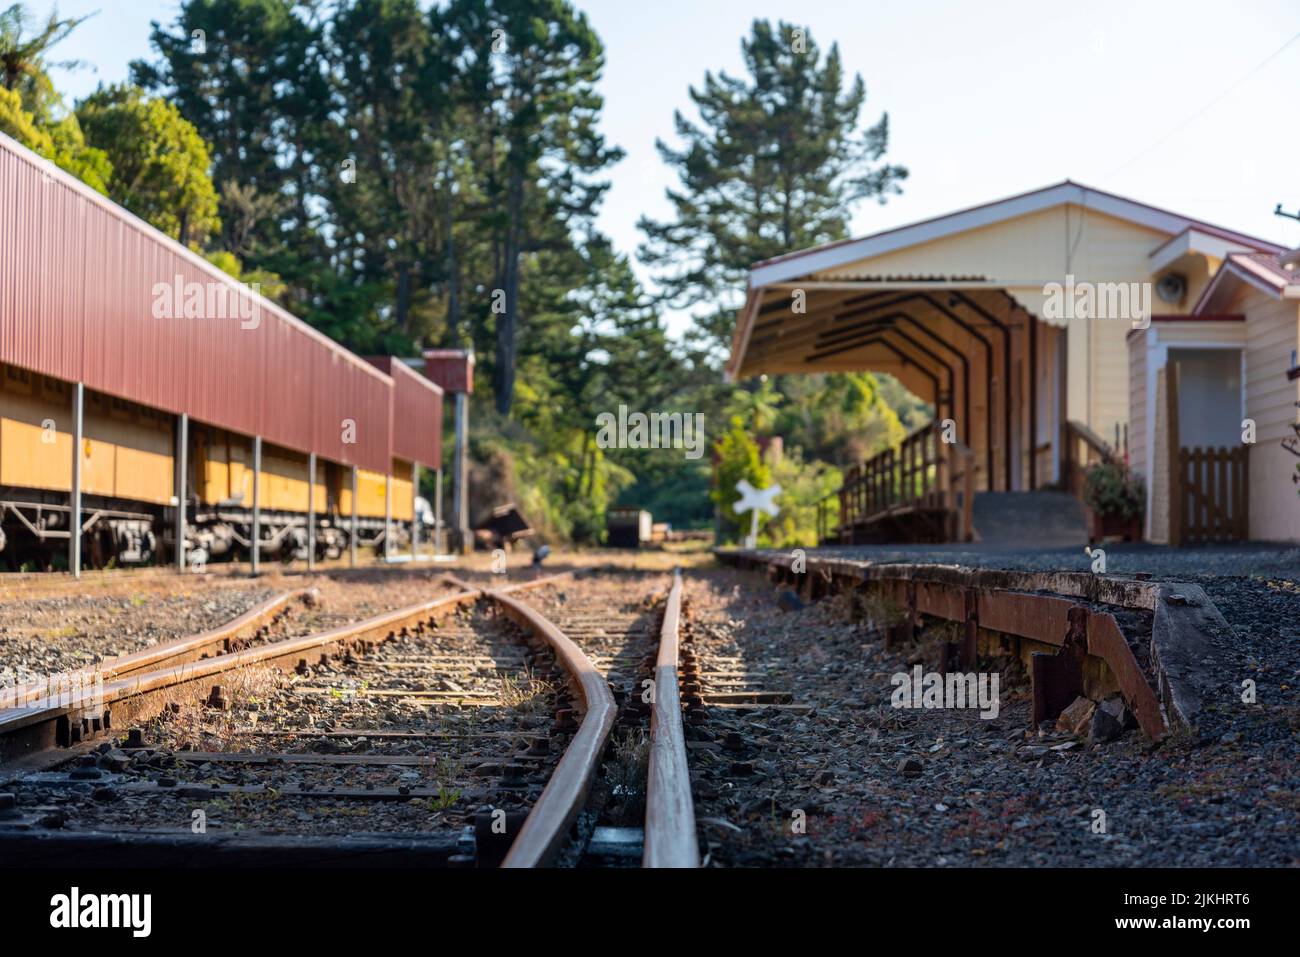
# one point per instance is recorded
(284, 481)
(370, 494)
(126, 450)
(128, 468)
(223, 467)
(402, 490)
(224, 474)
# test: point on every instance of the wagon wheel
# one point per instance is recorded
(42, 558)
(100, 548)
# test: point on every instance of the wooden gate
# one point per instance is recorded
(1208, 496)
(1208, 488)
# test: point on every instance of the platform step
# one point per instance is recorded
(1030, 519)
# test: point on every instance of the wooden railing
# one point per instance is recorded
(828, 518)
(1208, 494)
(1083, 448)
(924, 476)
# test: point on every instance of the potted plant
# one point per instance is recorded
(1116, 500)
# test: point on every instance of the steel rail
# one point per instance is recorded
(196, 645)
(545, 829)
(34, 732)
(187, 648)
(34, 727)
(517, 586)
(24, 731)
(670, 839)
(31, 734)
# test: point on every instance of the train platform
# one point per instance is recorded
(1195, 562)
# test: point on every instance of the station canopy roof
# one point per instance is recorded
(1012, 249)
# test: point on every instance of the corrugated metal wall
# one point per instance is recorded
(417, 413)
(80, 281)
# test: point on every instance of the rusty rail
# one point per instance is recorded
(544, 831)
(178, 650)
(45, 724)
(516, 586)
(670, 839)
(44, 732)
(196, 646)
(24, 731)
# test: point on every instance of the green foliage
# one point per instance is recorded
(402, 174)
(737, 458)
(266, 283)
(839, 417)
(776, 163)
(24, 47)
(561, 481)
(31, 110)
(533, 103)
(755, 405)
(912, 413)
(408, 179)
(1111, 489)
(803, 485)
(60, 142)
(258, 93)
(160, 163)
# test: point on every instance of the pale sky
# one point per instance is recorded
(1170, 103)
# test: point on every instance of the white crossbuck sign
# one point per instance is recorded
(755, 500)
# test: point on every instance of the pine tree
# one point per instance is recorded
(530, 69)
(160, 163)
(775, 164)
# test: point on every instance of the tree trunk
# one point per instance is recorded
(453, 271)
(403, 306)
(506, 323)
(581, 487)
(591, 472)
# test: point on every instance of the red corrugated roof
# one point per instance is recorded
(80, 282)
(417, 413)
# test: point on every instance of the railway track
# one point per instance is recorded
(486, 726)
(640, 810)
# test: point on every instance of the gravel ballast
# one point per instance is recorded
(856, 781)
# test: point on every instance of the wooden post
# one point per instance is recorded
(1243, 493)
(1066, 453)
(1176, 467)
(943, 472)
(968, 503)
(1226, 519)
